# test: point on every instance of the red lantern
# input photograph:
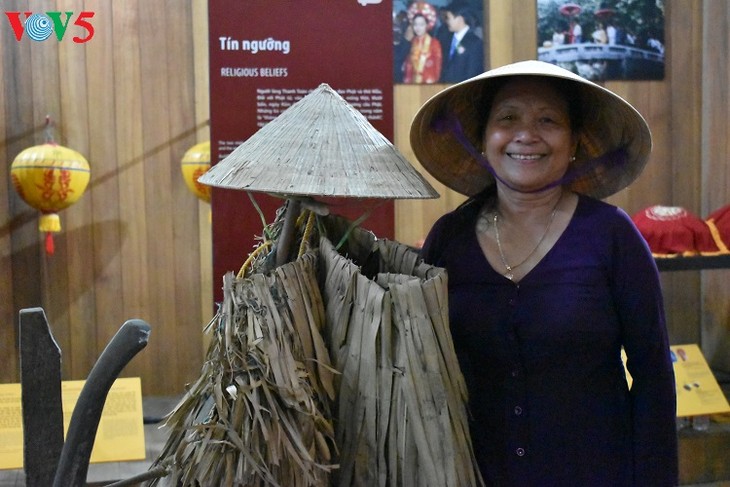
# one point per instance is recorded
(50, 177)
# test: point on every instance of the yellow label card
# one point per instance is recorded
(698, 392)
(120, 436)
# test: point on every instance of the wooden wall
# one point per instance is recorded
(713, 176)
(132, 100)
(135, 97)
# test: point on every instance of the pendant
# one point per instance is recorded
(509, 275)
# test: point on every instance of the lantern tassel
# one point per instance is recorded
(49, 223)
(50, 247)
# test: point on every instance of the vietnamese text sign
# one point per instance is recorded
(265, 56)
(120, 436)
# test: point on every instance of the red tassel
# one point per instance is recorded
(50, 248)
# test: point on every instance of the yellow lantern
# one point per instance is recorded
(194, 164)
(50, 177)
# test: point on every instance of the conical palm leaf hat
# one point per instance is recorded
(320, 146)
(447, 132)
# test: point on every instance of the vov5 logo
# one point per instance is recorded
(39, 27)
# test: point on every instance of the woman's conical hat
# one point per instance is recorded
(320, 146)
(448, 131)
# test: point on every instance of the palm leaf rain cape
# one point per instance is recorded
(329, 364)
(334, 369)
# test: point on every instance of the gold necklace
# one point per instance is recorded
(510, 268)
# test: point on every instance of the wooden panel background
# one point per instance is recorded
(135, 97)
(132, 100)
(715, 171)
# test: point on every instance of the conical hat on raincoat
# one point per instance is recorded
(320, 146)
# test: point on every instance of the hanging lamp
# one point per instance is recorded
(50, 177)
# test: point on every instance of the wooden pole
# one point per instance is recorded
(40, 376)
(286, 237)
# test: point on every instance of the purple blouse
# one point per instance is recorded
(548, 396)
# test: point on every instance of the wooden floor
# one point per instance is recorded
(155, 437)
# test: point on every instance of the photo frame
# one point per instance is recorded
(437, 41)
(603, 40)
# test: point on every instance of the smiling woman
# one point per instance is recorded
(547, 283)
(529, 136)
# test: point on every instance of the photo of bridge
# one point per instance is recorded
(603, 40)
(605, 61)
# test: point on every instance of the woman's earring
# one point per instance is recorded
(572, 159)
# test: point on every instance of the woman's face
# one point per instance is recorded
(528, 138)
(419, 25)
